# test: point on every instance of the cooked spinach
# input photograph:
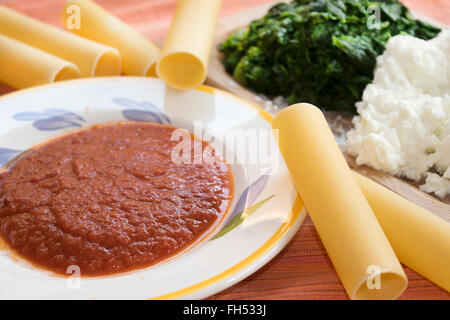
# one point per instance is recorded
(318, 51)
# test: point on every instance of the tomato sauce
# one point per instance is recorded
(109, 199)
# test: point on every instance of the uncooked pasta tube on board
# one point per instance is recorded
(92, 58)
(185, 55)
(420, 239)
(349, 230)
(23, 66)
(139, 55)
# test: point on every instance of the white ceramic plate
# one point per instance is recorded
(273, 215)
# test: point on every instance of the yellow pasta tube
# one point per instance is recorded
(24, 66)
(420, 239)
(92, 58)
(185, 54)
(350, 232)
(138, 54)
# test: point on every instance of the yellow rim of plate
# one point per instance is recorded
(258, 253)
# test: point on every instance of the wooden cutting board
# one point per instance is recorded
(219, 78)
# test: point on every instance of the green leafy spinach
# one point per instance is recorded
(318, 51)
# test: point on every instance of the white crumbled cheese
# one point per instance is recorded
(403, 126)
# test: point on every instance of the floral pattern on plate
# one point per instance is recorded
(51, 119)
(240, 211)
(141, 111)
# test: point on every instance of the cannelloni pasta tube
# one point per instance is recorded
(92, 58)
(420, 239)
(350, 232)
(185, 54)
(138, 54)
(24, 66)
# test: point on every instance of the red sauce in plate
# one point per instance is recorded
(109, 199)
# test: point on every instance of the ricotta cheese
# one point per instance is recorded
(403, 121)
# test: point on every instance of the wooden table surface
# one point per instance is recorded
(302, 270)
